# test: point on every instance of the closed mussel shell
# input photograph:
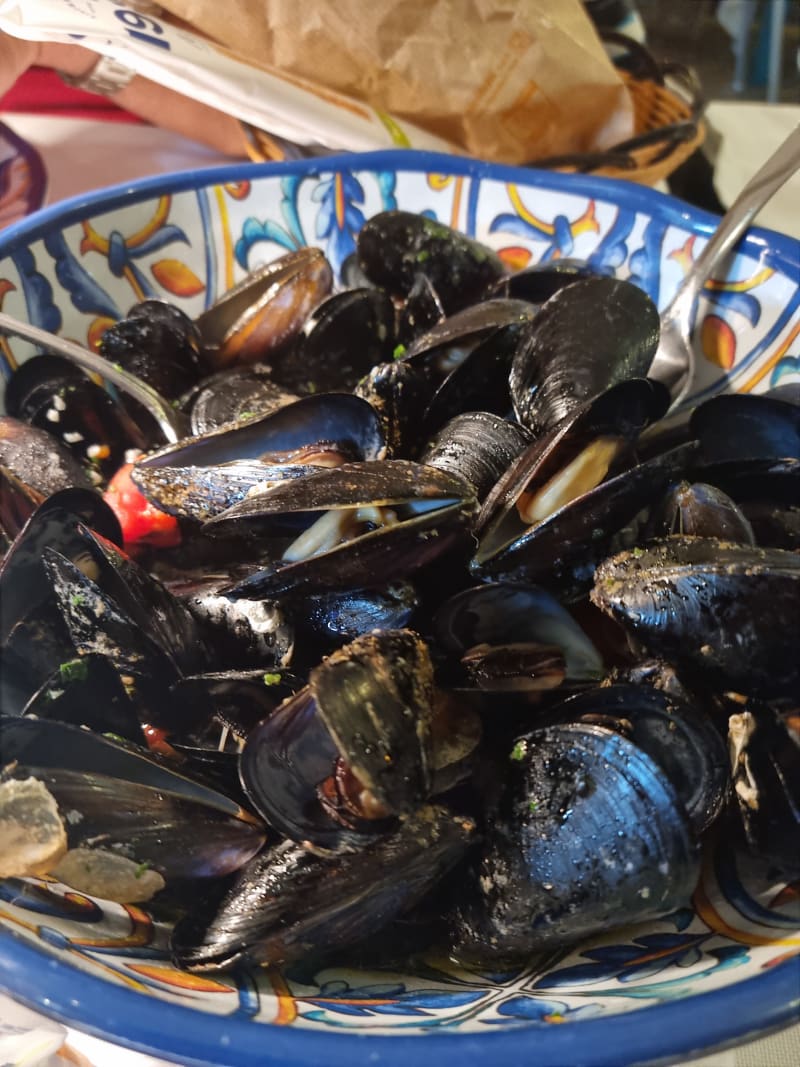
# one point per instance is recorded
(681, 739)
(724, 612)
(589, 835)
(266, 309)
(288, 902)
(395, 247)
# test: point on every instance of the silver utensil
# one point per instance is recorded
(674, 361)
(170, 421)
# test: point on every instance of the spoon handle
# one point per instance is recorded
(777, 170)
(170, 421)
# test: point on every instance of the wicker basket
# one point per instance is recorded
(668, 127)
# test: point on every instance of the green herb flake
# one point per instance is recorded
(77, 600)
(637, 553)
(74, 670)
(518, 751)
(145, 866)
(533, 805)
(272, 679)
(399, 351)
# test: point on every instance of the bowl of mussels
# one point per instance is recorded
(388, 669)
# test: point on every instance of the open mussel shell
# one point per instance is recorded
(380, 521)
(202, 476)
(368, 707)
(395, 247)
(593, 441)
(765, 767)
(288, 902)
(681, 739)
(86, 691)
(266, 309)
(722, 612)
(122, 799)
(33, 637)
(523, 620)
(589, 835)
(53, 394)
(465, 359)
(587, 337)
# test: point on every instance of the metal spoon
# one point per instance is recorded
(171, 422)
(674, 361)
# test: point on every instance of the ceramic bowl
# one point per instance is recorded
(718, 973)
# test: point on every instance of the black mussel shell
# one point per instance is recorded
(589, 336)
(421, 310)
(562, 552)
(543, 280)
(38, 459)
(397, 392)
(244, 633)
(86, 691)
(375, 696)
(589, 835)
(680, 738)
(368, 706)
(723, 612)
(335, 617)
(478, 446)
(53, 394)
(233, 396)
(395, 247)
(288, 902)
(744, 426)
(58, 521)
(700, 510)
(158, 344)
(346, 335)
(765, 767)
(200, 477)
(380, 521)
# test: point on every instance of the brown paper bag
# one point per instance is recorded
(506, 80)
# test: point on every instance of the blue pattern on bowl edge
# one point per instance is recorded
(75, 267)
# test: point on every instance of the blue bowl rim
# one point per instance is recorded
(781, 248)
(658, 1034)
(651, 1035)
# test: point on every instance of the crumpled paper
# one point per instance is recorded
(502, 80)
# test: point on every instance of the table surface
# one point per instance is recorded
(80, 155)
